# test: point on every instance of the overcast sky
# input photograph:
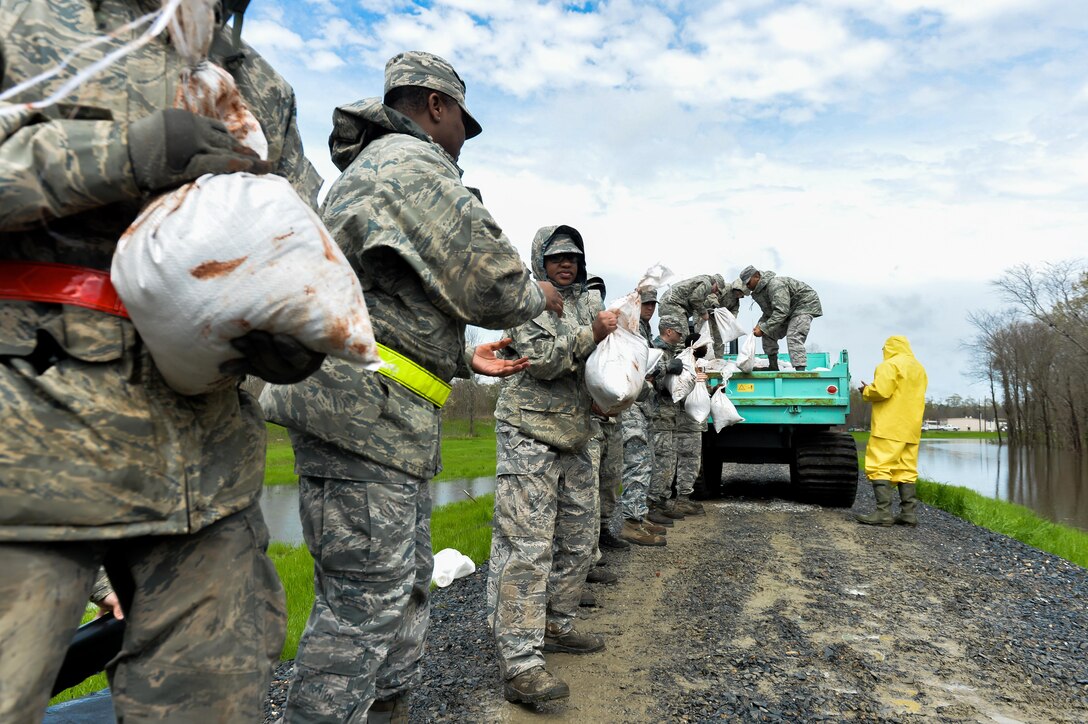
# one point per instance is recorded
(897, 155)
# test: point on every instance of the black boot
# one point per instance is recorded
(607, 540)
(772, 363)
(883, 513)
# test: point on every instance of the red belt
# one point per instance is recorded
(39, 281)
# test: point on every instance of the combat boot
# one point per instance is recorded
(653, 528)
(633, 532)
(799, 368)
(607, 540)
(600, 575)
(588, 600)
(772, 363)
(534, 685)
(573, 642)
(389, 711)
(656, 516)
(669, 508)
(883, 514)
(907, 516)
(687, 506)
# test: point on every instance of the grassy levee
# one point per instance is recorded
(1015, 521)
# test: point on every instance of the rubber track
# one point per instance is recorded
(826, 469)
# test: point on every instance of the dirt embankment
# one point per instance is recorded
(767, 610)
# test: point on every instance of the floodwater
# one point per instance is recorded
(279, 503)
(1053, 483)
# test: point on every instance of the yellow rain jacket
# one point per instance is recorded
(898, 393)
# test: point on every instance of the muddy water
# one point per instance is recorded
(279, 503)
(1053, 483)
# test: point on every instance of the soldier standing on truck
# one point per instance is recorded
(690, 300)
(546, 521)
(788, 307)
(102, 461)
(431, 260)
(638, 451)
(898, 395)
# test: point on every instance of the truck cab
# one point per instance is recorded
(790, 418)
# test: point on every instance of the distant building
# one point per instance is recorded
(970, 424)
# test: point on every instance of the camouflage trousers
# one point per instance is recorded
(664, 465)
(638, 462)
(796, 334)
(606, 453)
(689, 453)
(205, 627)
(371, 544)
(541, 549)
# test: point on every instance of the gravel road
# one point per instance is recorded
(768, 610)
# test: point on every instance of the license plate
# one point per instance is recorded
(746, 387)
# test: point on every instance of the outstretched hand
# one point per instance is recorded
(484, 361)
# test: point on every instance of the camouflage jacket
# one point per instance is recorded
(431, 260)
(692, 295)
(549, 401)
(780, 298)
(94, 459)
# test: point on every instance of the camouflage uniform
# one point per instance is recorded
(606, 452)
(663, 429)
(431, 260)
(788, 307)
(96, 448)
(638, 449)
(545, 522)
(688, 442)
(690, 299)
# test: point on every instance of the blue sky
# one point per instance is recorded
(895, 154)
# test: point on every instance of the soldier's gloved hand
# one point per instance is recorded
(675, 366)
(277, 358)
(171, 147)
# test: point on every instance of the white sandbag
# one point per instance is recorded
(680, 385)
(728, 326)
(449, 565)
(746, 358)
(697, 403)
(616, 370)
(761, 363)
(224, 255)
(653, 358)
(722, 408)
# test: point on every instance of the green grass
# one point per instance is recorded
(462, 456)
(91, 685)
(296, 569)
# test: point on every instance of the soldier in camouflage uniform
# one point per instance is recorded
(788, 307)
(101, 461)
(690, 300)
(545, 520)
(638, 451)
(431, 260)
(687, 440)
(663, 425)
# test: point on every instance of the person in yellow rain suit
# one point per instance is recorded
(898, 395)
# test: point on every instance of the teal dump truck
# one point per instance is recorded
(789, 418)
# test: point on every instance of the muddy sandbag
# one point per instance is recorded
(228, 254)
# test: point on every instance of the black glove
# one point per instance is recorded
(172, 146)
(277, 358)
(675, 366)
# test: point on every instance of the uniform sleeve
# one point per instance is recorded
(55, 168)
(102, 587)
(551, 355)
(774, 322)
(885, 382)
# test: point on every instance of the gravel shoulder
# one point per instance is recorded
(768, 610)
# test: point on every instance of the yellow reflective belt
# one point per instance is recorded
(409, 374)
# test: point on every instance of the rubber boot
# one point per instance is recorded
(389, 711)
(772, 363)
(573, 642)
(883, 514)
(907, 516)
(607, 540)
(632, 532)
(535, 685)
(687, 506)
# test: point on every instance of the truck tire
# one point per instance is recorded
(825, 468)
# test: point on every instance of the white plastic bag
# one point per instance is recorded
(746, 358)
(680, 386)
(449, 565)
(697, 403)
(616, 370)
(728, 327)
(653, 358)
(228, 254)
(722, 408)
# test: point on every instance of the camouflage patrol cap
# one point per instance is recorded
(427, 70)
(747, 273)
(647, 295)
(562, 244)
(670, 323)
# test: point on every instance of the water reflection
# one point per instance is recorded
(279, 503)
(1053, 483)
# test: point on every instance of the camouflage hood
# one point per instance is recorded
(543, 240)
(358, 124)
